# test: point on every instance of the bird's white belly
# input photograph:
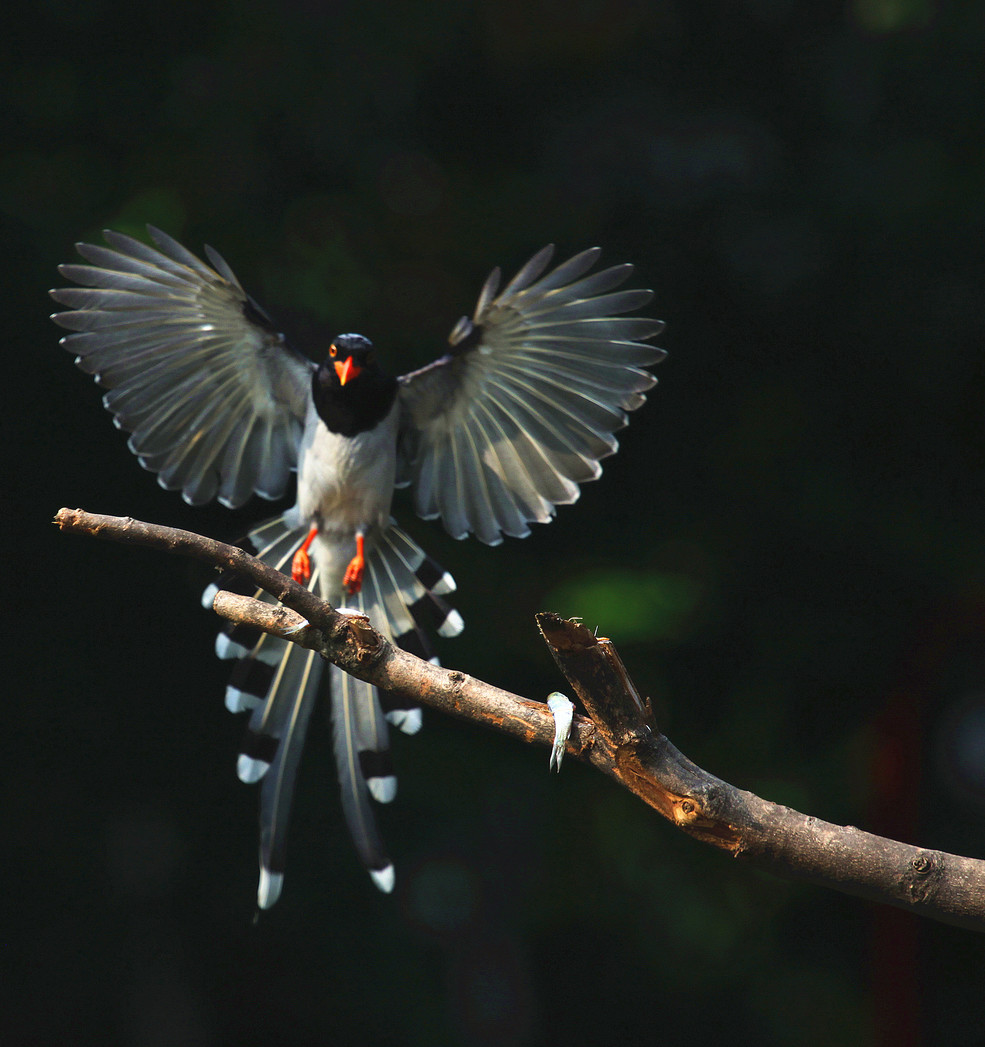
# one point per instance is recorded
(345, 484)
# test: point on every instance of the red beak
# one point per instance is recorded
(347, 371)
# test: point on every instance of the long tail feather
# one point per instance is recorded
(278, 684)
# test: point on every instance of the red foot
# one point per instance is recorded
(301, 567)
(301, 564)
(353, 580)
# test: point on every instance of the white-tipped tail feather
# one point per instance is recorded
(278, 682)
(384, 878)
(407, 720)
(269, 889)
(383, 790)
(249, 770)
(452, 625)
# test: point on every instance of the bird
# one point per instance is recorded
(517, 411)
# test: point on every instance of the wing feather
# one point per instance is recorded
(213, 397)
(524, 406)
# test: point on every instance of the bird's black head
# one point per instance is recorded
(348, 356)
(351, 393)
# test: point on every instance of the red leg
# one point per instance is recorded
(353, 580)
(301, 565)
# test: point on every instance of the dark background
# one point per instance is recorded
(788, 549)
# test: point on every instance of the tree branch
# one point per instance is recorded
(620, 737)
(348, 641)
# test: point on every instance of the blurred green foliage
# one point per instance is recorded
(634, 605)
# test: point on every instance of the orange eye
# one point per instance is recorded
(332, 350)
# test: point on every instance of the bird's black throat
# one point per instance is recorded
(355, 407)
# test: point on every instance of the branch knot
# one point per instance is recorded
(924, 875)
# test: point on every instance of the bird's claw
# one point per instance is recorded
(353, 580)
(301, 567)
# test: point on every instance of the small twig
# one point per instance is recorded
(621, 738)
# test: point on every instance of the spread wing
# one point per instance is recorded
(213, 396)
(523, 407)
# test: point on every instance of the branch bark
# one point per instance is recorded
(619, 736)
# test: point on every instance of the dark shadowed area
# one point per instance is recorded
(788, 550)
